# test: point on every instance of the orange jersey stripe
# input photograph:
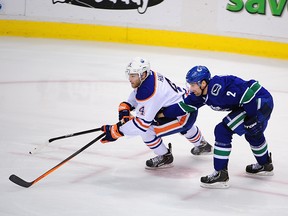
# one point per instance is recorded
(174, 125)
(142, 124)
(154, 144)
(195, 138)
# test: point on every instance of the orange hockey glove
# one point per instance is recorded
(112, 132)
(124, 112)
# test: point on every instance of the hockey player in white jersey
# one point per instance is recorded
(152, 91)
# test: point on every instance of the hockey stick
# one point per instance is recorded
(38, 148)
(19, 181)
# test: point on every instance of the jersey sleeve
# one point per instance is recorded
(249, 99)
(134, 127)
(189, 104)
(173, 111)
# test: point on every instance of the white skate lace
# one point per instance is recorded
(256, 166)
(203, 142)
(214, 174)
(157, 159)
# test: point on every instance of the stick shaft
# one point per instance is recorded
(40, 147)
(17, 180)
(74, 134)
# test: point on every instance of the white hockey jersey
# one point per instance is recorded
(155, 92)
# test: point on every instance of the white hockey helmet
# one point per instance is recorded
(138, 66)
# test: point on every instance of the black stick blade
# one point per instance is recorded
(15, 179)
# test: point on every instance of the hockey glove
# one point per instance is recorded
(124, 111)
(160, 119)
(112, 132)
(252, 125)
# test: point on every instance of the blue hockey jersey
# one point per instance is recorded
(225, 93)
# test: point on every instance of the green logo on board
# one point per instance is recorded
(258, 6)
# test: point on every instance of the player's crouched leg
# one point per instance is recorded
(259, 147)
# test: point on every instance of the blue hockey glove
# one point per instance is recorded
(112, 132)
(124, 111)
(252, 125)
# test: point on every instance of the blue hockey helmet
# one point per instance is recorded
(197, 74)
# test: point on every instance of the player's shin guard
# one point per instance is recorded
(222, 147)
(156, 145)
(221, 155)
(219, 178)
(259, 147)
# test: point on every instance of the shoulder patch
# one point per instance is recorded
(250, 93)
(147, 88)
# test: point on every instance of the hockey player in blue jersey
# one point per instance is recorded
(250, 106)
(151, 92)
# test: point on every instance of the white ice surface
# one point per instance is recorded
(50, 88)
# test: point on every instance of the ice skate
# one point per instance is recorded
(218, 179)
(204, 149)
(161, 161)
(262, 170)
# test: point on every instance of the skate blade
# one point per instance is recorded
(203, 154)
(166, 166)
(216, 185)
(264, 173)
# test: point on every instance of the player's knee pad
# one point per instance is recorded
(222, 133)
(255, 139)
